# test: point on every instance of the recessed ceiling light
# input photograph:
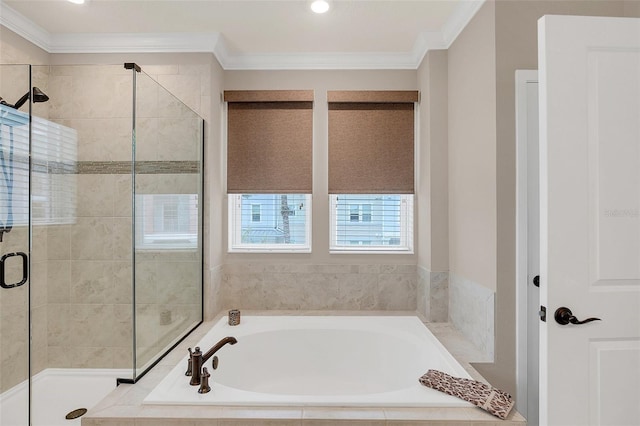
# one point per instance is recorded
(76, 1)
(320, 6)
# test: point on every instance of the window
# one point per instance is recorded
(371, 222)
(366, 212)
(360, 212)
(371, 170)
(269, 170)
(354, 213)
(255, 212)
(166, 221)
(284, 223)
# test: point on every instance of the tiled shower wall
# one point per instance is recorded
(89, 298)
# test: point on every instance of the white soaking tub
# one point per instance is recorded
(361, 361)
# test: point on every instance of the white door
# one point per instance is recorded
(590, 219)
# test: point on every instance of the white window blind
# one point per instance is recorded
(53, 176)
(269, 222)
(372, 222)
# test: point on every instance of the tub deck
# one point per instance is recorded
(124, 406)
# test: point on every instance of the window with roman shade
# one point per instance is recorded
(371, 170)
(269, 169)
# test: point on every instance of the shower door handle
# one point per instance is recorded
(25, 269)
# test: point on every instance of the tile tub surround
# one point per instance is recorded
(329, 286)
(433, 294)
(472, 312)
(124, 405)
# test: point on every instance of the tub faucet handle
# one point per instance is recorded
(215, 363)
(196, 366)
(189, 364)
(204, 381)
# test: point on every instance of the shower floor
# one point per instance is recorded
(56, 392)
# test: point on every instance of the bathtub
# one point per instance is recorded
(359, 361)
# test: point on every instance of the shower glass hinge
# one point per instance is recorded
(132, 66)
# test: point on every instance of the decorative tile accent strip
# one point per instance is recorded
(142, 167)
(108, 167)
(53, 167)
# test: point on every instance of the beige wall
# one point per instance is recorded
(632, 8)
(213, 187)
(505, 33)
(472, 150)
(320, 82)
(432, 164)
(214, 167)
(16, 50)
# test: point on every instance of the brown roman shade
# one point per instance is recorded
(371, 142)
(269, 141)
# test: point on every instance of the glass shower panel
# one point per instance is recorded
(168, 220)
(15, 83)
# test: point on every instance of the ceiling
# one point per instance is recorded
(248, 34)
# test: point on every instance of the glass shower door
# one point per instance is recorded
(167, 241)
(15, 244)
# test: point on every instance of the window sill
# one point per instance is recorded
(370, 251)
(265, 250)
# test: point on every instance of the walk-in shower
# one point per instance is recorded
(101, 271)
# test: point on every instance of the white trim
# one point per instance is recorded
(214, 43)
(134, 42)
(522, 78)
(315, 61)
(24, 27)
(427, 40)
(465, 11)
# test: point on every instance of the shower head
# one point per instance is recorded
(38, 96)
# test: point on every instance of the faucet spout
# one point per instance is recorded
(198, 359)
(217, 347)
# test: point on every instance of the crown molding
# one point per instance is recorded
(214, 43)
(323, 61)
(24, 27)
(134, 42)
(428, 40)
(462, 15)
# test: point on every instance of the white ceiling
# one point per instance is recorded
(248, 34)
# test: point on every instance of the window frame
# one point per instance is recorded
(406, 246)
(234, 230)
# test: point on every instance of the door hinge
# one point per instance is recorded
(542, 313)
(536, 280)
